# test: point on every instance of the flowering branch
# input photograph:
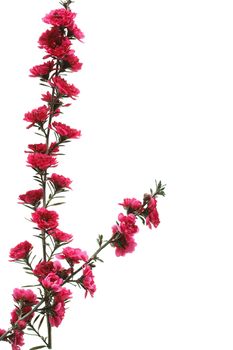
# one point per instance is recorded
(31, 310)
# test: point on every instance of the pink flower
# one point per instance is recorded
(74, 31)
(70, 61)
(42, 70)
(60, 236)
(127, 224)
(20, 251)
(25, 296)
(37, 116)
(40, 161)
(22, 310)
(45, 219)
(52, 282)
(88, 281)
(58, 313)
(16, 339)
(73, 255)
(124, 244)
(15, 317)
(42, 148)
(126, 228)
(60, 181)
(132, 204)
(43, 268)
(60, 17)
(54, 42)
(63, 295)
(64, 89)
(32, 197)
(65, 131)
(152, 215)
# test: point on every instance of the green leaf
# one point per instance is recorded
(36, 318)
(31, 285)
(38, 347)
(40, 324)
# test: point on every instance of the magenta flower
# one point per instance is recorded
(152, 216)
(64, 89)
(124, 244)
(63, 295)
(40, 161)
(42, 70)
(88, 282)
(42, 148)
(32, 197)
(37, 116)
(73, 255)
(43, 268)
(60, 18)
(20, 251)
(60, 181)
(74, 31)
(25, 296)
(132, 204)
(54, 42)
(127, 224)
(52, 282)
(65, 131)
(57, 314)
(45, 219)
(60, 236)
(70, 61)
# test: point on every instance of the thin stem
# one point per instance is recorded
(44, 182)
(93, 257)
(37, 333)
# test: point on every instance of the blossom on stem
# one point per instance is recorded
(40, 161)
(20, 251)
(131, 204)
(74, 31)
(73, 255)
(64, 89)
(151, 213)
(60, 181)
(65, 132)
(54, 42)
(42, 70)
(125, 243)
(71, 61)
(45, 219)
(87, 281)
(37, 116)
(60, 18)
(42, 148)
(63, 295)
(57, 314)
(127, 224)
(16, 339)
(31, 197)
(52, 282)
(24, 296)
(15, 317)
(60, 236)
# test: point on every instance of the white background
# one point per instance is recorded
(155, 102)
